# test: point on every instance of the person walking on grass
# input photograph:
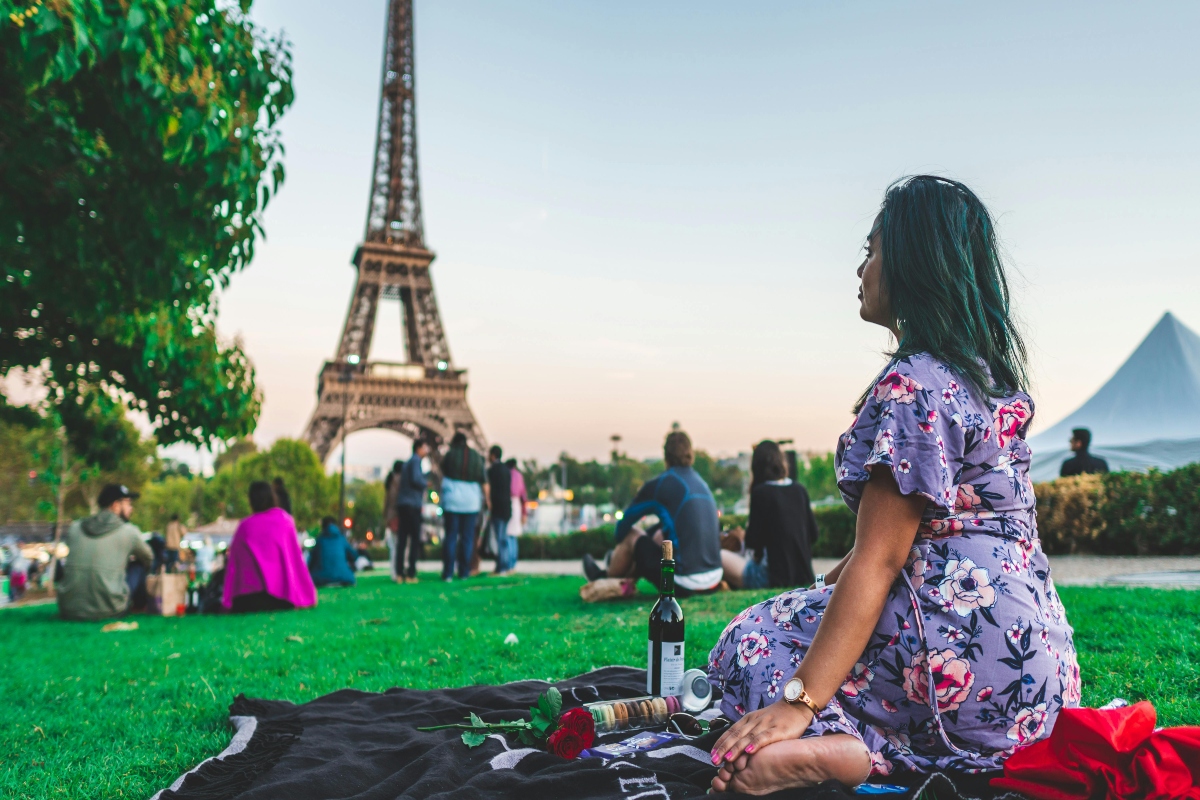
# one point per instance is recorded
(463, 496)
(687, 515)
(410, 498)
(500, 504)
(105, 572)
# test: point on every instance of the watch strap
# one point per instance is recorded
(808, 701)
(803, 698)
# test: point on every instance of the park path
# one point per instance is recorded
(1081, 570)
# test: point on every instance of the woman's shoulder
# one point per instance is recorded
(924, 368)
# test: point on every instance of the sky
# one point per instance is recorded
(647, 213)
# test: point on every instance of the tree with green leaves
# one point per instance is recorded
(138, 148)
(313, 493)
(38, 467)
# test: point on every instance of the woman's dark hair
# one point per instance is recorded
(329, 522)
(282, 498)
(262, 496)
(767, 463)
(945, 282)
(459, 439)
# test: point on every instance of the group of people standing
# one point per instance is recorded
(470, 487)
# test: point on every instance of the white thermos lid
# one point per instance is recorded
(697, 691)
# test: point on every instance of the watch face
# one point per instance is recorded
(793, 689)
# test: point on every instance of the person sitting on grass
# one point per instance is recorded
(330, 558)
(687, 516)
(264, 566)
(107, 561)
(780, 532)
(939, 642)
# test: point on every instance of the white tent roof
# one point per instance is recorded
(1146, 415)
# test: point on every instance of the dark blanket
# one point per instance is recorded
(353, 744)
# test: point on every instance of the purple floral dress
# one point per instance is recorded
(973, 657)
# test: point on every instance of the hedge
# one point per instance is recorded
(1121, 513)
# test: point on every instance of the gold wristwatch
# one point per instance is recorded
(794, 693)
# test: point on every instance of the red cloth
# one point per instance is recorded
(1111, 753)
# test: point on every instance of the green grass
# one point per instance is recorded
(88, 714)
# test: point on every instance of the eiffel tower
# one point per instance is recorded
(425, 396)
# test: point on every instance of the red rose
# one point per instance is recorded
(565, 743)
(580, 721)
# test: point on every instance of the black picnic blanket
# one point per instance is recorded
(366, 746)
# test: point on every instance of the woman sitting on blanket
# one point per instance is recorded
(939, 642)
(265, 569)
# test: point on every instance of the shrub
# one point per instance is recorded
(596, 541)
(731, 521)
(1122, 513)
(1067, 516)
(835, 530)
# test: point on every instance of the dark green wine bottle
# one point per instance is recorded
(665, 662)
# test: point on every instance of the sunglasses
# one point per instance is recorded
(687, 725)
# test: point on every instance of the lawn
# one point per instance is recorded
(90, 714)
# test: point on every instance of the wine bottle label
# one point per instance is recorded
(670, 668)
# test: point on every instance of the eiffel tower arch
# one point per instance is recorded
(426, 395)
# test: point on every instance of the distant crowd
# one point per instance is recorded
(484, 507)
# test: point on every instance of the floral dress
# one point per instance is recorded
(972, 657)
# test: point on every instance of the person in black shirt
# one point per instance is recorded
(1083, 462)
(499, 478)
(780, 532)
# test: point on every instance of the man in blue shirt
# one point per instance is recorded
(687, 516)
(410, 497)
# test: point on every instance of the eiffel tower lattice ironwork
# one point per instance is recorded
(426, 395)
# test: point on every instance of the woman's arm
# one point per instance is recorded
(887, 525)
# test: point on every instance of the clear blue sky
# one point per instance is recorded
(650, 212)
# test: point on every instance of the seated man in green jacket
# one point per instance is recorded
(96, 583)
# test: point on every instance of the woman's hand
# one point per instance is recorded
(756, 730)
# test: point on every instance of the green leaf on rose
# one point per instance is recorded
(474, 738)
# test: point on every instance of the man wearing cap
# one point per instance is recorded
(99, 577)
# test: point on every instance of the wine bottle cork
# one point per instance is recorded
(668, 550)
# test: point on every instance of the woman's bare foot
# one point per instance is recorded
(795, 763)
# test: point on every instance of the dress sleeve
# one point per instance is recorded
(905, 425)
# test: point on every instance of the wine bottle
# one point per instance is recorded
(664, 670)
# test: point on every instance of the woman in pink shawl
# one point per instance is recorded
(264, 567)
